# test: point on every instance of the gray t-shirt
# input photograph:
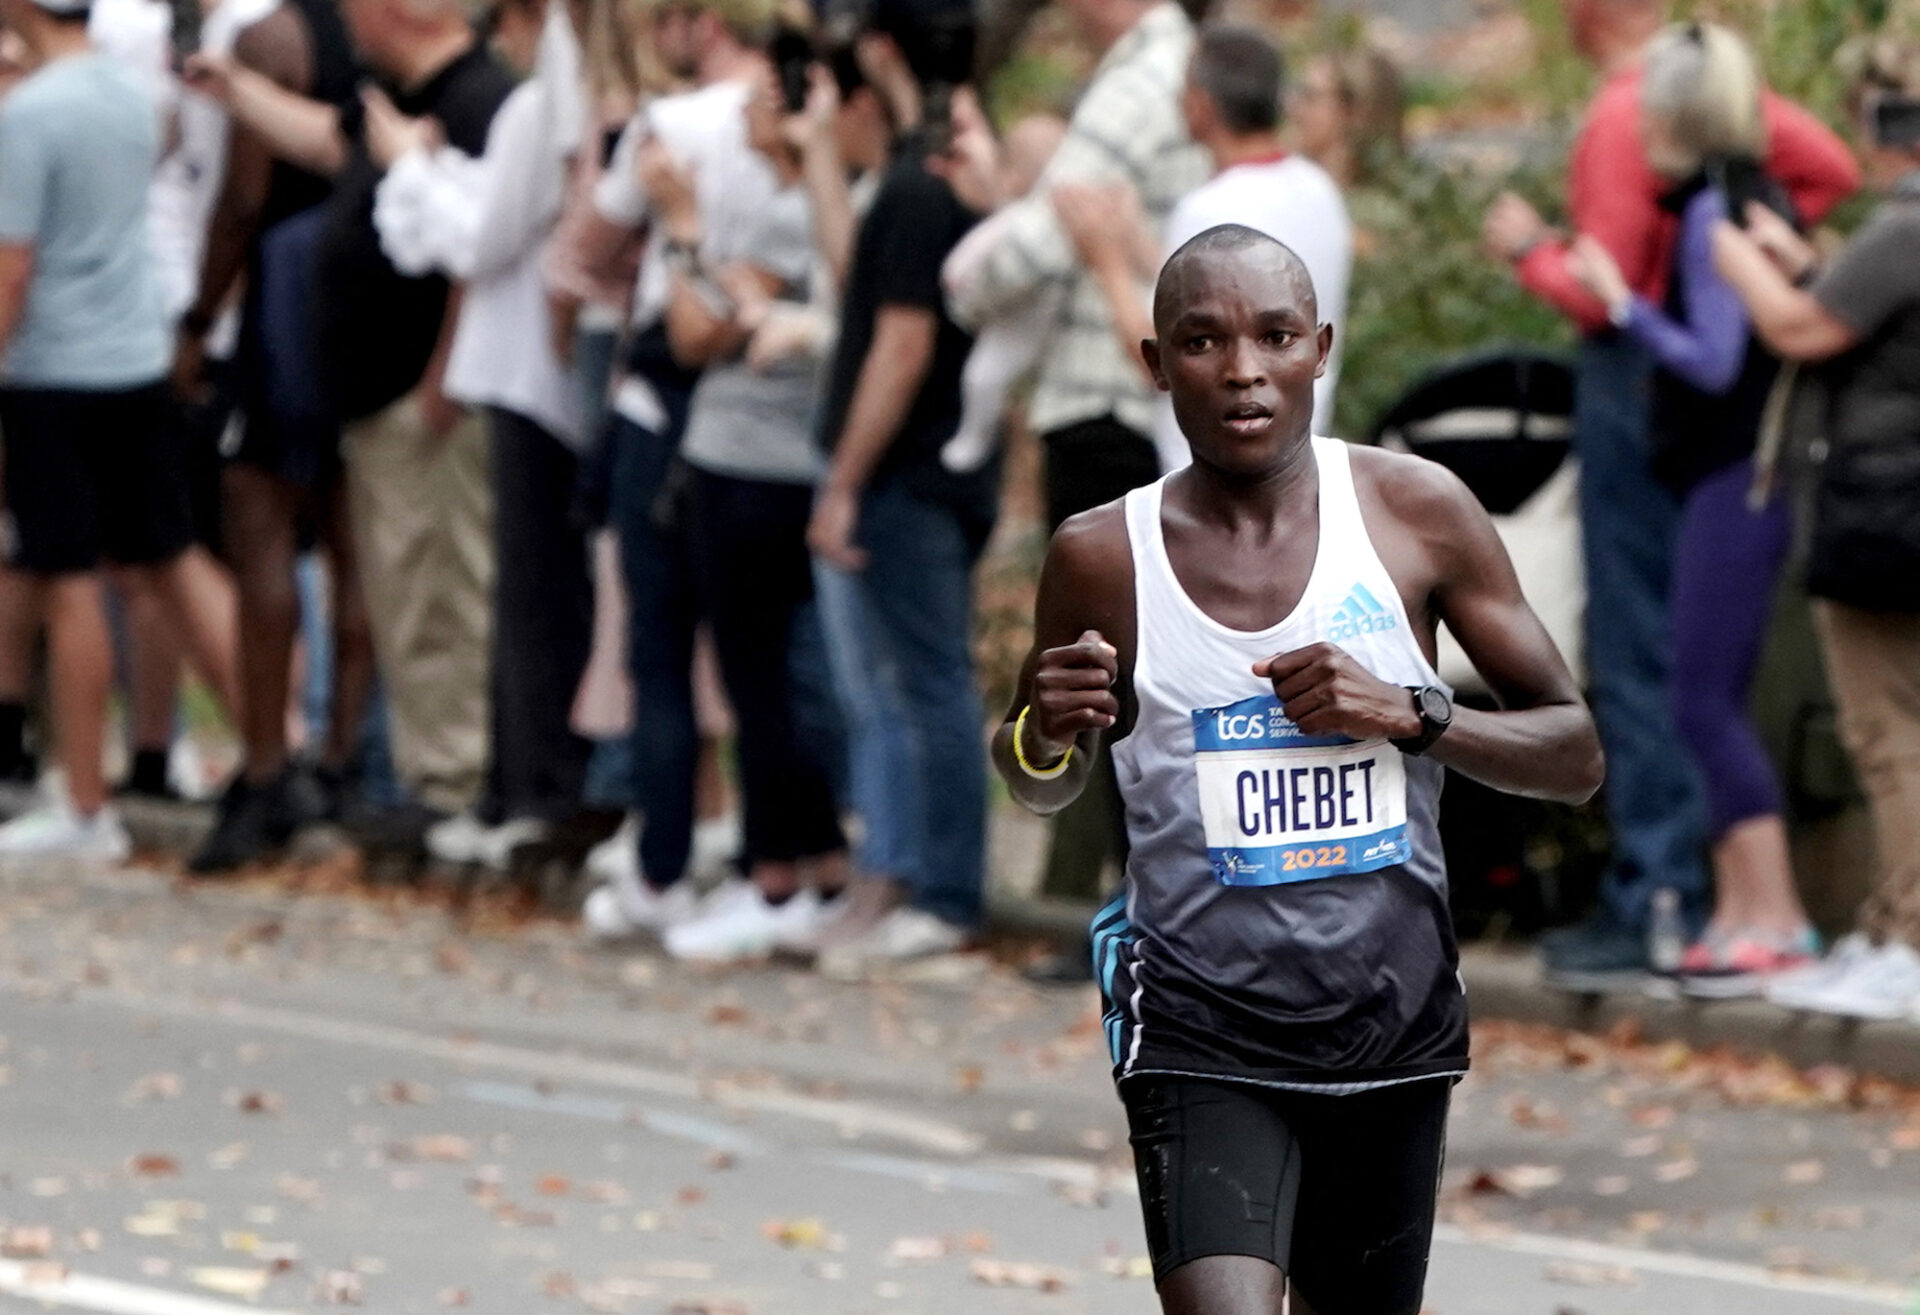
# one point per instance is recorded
(1874, 289)
(78, 144)
(757, 424)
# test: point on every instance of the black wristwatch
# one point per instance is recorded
(1436, 714)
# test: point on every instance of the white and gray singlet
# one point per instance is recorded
(1285, 920)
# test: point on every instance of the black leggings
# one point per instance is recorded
(1338, 1192)
(753, 575)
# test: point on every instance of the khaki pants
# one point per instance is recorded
(1873, 659)
(422, 517)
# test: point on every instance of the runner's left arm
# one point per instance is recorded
(1541, 741)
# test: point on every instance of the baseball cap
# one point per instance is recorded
(64, 6)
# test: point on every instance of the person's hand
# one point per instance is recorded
(189, 373)
(440, 412)
(811, 129)
(211, 75)
(785, 334)
(1072, 693)
(669, 187)
(1325, 692)
(1789, 251)
(747, 290)
(971, 163)
(1513, 227)
(391, 134)
(836, 515)
(563, 317)
(1099, 218)
(1598, 272)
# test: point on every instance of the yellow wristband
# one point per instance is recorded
(1057, 769)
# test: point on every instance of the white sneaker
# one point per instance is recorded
(618, 856)
(737, 924)
(497, 843)
(623, 909)
(902, 935)
(716, 844)
(1790, 990)
(459, 840)
(1883, 985)
(58, 831)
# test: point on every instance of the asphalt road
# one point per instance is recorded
(240, 1099)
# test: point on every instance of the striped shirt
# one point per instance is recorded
(1128, 128)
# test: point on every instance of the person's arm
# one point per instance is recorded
(1708, 348)
(1116, 130)
(441, 412)
(296, 128)
(890, 378)
(1109, 235)
(825, 175)
(1808, 159)
(1072, 686)
(1791, 321)
(16, 273)
(277, 47)
(1540, 741)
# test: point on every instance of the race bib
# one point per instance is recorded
(1280, 805)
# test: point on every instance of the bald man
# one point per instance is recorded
(1256, 635)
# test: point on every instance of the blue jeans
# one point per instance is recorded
(1628, 523)
(662, 613)
(900, 637)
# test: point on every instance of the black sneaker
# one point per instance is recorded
(1600, 954)
(254, 822)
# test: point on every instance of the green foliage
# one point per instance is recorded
(1423, 290)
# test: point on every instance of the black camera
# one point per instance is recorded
(936, 38)
(1894, 121)
(792, 55)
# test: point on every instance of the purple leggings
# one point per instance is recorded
(1726, 565)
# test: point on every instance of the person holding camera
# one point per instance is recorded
(1857, 323)
(1702, 125)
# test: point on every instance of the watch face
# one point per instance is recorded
(1435, 706)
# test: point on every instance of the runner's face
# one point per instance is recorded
(1239, 355)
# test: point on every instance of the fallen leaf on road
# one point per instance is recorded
(690, 1195)
(441, 1148)
(154, 1086)
(246, 1284)
(1592, 1276)
(407, 1093)
(340, 1287)
(45, 1187)
(720, 1161)
(1128, 1267)
(1612, 1185)
(916, 1250)
(255, 1102)
(1805, 1171)
(969, 1077)
(1674, 1171)
(1017, 1274)
(1839, 1218)
(553, 1184)
(1521, 1180)
(153, 1166)
(31, 1243)
(802, 1234)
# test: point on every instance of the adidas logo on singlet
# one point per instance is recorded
(1360, 614)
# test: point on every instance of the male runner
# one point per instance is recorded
(1257, 634)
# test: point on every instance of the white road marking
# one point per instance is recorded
(852, 1119)
(109, 1296)
(1674, 1265)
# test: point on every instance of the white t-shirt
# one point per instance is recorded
(187, 184)
(1292, 200)
(706, 130)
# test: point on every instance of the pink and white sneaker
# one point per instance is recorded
(1737, 962)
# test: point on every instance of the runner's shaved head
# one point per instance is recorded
(1181, 278)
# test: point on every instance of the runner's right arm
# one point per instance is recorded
(1075, 684)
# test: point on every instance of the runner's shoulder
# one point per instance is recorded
(1422, 495)
(1090, 555)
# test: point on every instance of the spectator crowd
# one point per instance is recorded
(525, 420)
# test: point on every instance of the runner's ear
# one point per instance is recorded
(1326, 349)
(1150, 353)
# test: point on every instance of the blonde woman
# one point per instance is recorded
(1859, 322)
(1704, 132)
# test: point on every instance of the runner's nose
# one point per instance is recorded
(1245, 369)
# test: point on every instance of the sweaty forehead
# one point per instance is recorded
(1266, 276)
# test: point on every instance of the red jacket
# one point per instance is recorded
(1613, 194)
